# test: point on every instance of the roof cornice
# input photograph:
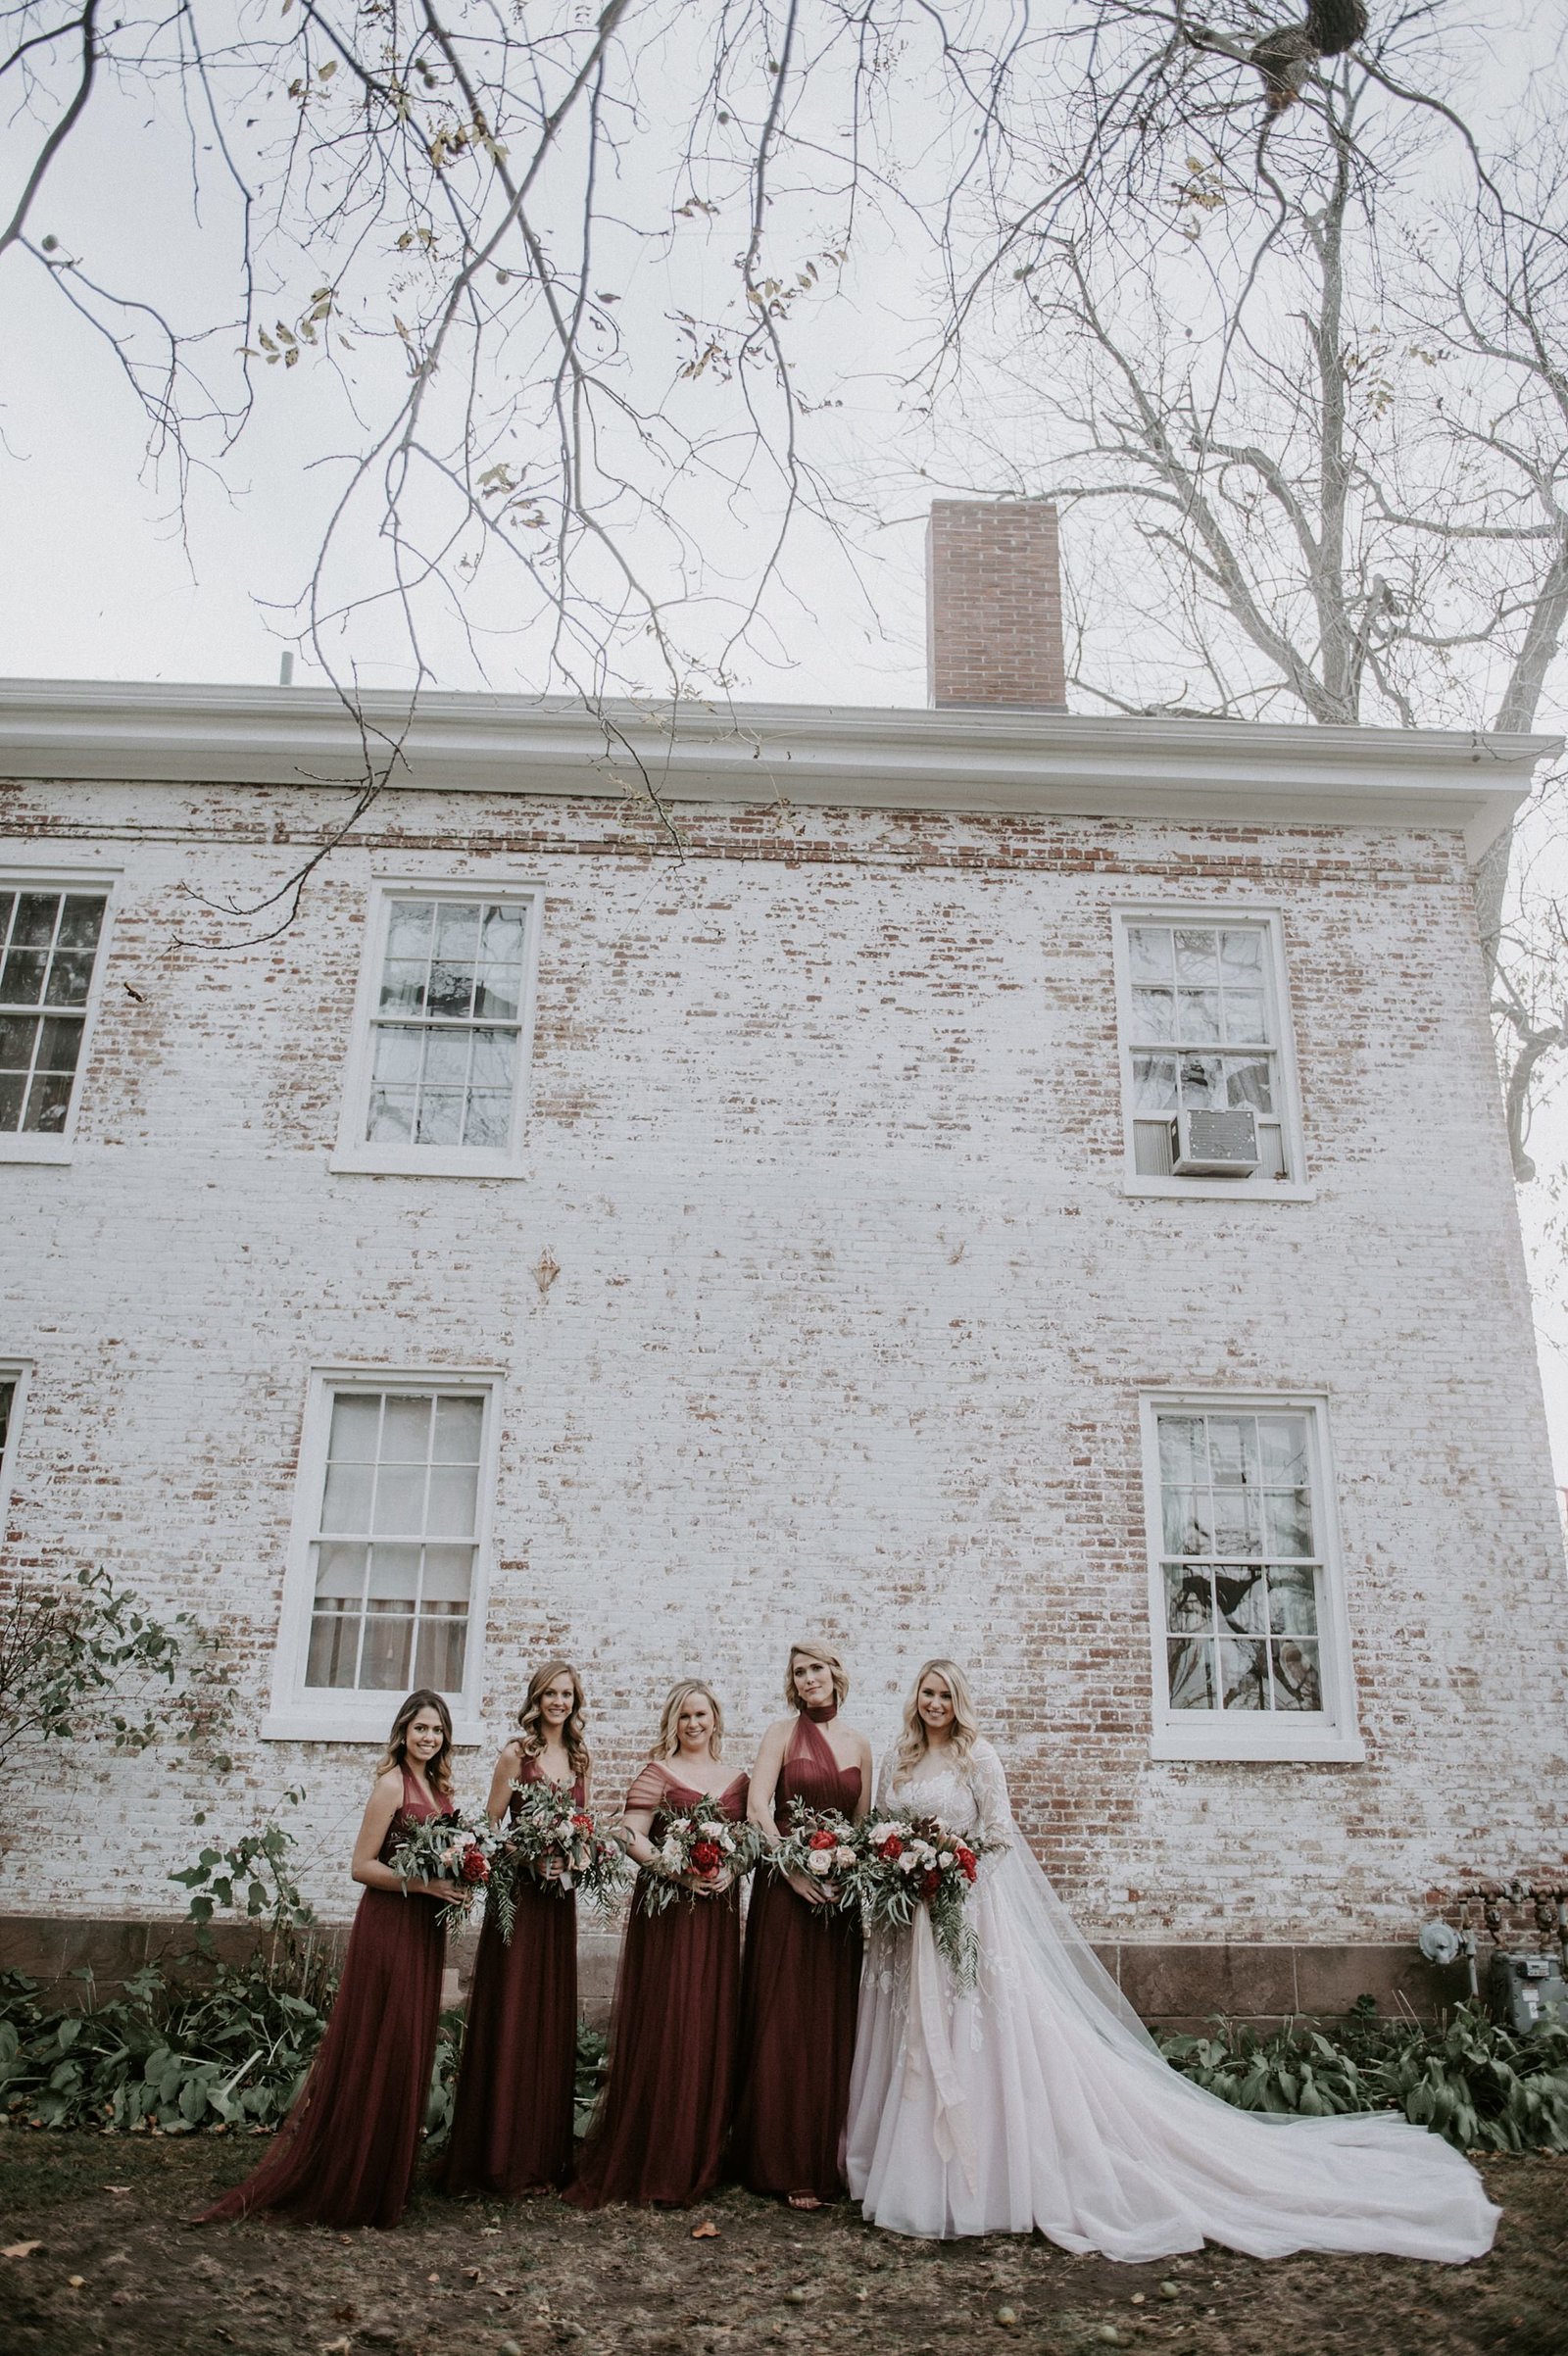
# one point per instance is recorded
(962, 760)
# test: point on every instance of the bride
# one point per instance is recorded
(1040, 2100)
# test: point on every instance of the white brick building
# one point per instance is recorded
(807, 1263)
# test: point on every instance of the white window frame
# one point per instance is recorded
(19, 1372)
(1331, 1734)
(302, 1713)
(16, 876)
(355, 1152)
(1268, 919)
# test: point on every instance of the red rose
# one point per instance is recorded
(475, 1866)
(967, 1861)
(822, 1841)
(706, 1856)
(891, 1848)
(582, 1824)
(930, 1881)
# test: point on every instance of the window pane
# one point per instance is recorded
(402, 987)
(1287, 1522)
(1242, 1593)
(450, 991)
(1188, 1599)
(70, 979)
(448, 1576)
(440, 1117)
(397, 1053)
(21, 983)
(501, 939)
(394, 1574)
(59, 1043)
(1292, 1603)
(1244, 1017)
(1149, 953)
(405, 1434)
(399, 1501)
(356, 1425)
(446, 1057)
(1183, 1454)
(1191, 1665)
(1238, 1525)
(1196, 957)
(334, 1653)
(81, 922)
(36, 913)
(487, 1120)
(454, 1500)
(1249, 1081)
(1297, 1684)
(384, 1661)
(1282, 1440)
(458, 1426)
(438, 1660)
(1154, 1015)
(1201, 1080)
(1232, 1450)
(1154, 1083)
(339, 1572)
(1243, 1675)
(498, 995)
(1198, 1016)
(346, 1504)
(48, 1103)
(1188, 1521)
(13, 1094)
(19, 1035)
(408, 929)
(1241, 955)
(456, 931)
(391, 1121)
(494, 1059)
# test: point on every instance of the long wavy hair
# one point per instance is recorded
(438, 1773)
(816, 1648)
(913, 1742)
(667, 1745)
(531, 1718)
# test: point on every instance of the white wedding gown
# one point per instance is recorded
(1040, 2100)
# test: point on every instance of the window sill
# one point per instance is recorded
(433, 1164)
(1218, 1743)
(302, 1722)
(19, 1148)
(1215, 1190)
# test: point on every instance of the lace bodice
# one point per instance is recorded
(969, 1796)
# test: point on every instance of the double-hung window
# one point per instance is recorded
(50, 935)
(387, 1581)
(437, 1081)
(1251, 1640)
(1205, 1021)
(13, 1374)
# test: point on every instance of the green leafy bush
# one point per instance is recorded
(1469, 2078)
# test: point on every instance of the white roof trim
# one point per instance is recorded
(1022, 762)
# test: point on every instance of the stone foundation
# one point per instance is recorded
(1172, 1985)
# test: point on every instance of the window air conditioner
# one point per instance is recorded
(1214, 1145)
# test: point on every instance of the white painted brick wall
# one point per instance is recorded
(852, 1319)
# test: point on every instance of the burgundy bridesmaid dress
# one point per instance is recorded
(345, 2154)
(512, 2118)
(799, 1995)
(662, 2127)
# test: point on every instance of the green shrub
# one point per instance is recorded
(1469, 2078)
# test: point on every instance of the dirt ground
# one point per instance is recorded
(97, 2257)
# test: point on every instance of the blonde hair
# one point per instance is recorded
(914, 1742)
(813, 1648)
(438, 1773)
(666, 1744)
(531, 1718)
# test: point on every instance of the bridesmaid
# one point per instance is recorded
(512, 2119)
(345, 2154)
(802, 1980)
(660, 2132)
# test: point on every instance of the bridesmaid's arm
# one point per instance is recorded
(509, 1767)
(634, 1827)
(863, 1806)
(383, 1804)
(759, 1804)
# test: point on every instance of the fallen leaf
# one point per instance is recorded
(117, 2187)
(20, 2249)
(707, 2230)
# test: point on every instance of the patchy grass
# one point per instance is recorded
(467, 2279)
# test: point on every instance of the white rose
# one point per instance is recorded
(944, 1859)
(843, 1857)
(906, 1863)
(819, 1862)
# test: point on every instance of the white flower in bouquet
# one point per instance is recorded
(821, 1862)
(844, 1858)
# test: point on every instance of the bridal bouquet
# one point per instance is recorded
(905, 1862)
(701, 1844)
(549, 1829)
(457, 1847)
(823, 1844)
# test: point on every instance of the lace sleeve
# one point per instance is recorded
(989, 1786)
(884, 1781)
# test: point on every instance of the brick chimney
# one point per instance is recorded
(994, 604)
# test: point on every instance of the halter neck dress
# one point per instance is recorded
(345, 2154)
(662, 2129)
(512, 2119)
(799, 1991)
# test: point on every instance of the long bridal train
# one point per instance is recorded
(1040, 2100)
